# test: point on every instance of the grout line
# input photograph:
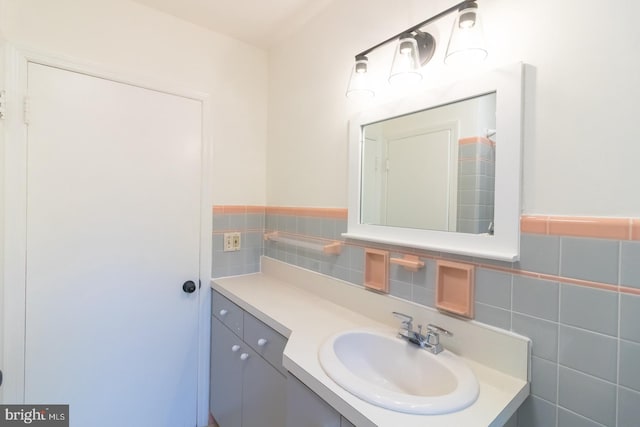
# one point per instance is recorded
(601, 334)
(619, 357)
(558, 356)
(619, 263)
(622, 387)
(581, 416)
(586, 374)
(511, 310)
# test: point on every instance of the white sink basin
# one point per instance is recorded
(387, 371)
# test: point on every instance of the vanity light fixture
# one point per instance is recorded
(415, 49)
(359, 83)
(466, 45)
(408, 58)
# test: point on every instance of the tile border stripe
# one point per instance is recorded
(476, 140)
(596, 227)
(336, 213)
(238, 209)
(593, 227)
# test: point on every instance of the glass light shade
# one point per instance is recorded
(359, 84)
(405, 69)
(466, 45)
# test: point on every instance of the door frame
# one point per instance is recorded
(15, 211)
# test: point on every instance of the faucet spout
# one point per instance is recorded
(429, 341)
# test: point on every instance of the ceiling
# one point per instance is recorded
(258, 22)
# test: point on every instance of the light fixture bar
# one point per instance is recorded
(417, 26)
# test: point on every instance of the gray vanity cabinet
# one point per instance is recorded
(307, 409)
(249, 386)
(263, 394)
(246, 389)
(226, 376)
(346, 423)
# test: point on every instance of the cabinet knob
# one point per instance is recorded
(223, 312)
(235, 348)
(262, 342)
(244, 356)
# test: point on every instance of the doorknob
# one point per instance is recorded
(189, 287)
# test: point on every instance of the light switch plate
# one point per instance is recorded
(232, 242)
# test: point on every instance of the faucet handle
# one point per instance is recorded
(438, 330)
(406, 319)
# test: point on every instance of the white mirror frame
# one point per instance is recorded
(504, 244)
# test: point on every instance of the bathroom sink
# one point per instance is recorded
(389, 372)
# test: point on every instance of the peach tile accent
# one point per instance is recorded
(327, 247)
(333, 248)
(409, 262)
(632, 291)
(455, 287)
(534, 224)
(635, 229)
(605, 228)
(237, 209)
(476, 140)
(596, 227)
(580, 282)
(337, 213)
(234, 209)
(255, 210)
(376, 270)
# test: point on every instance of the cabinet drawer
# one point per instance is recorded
(264, 340)
(227, 312)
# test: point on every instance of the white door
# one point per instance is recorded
(419, 180)
(113, 232)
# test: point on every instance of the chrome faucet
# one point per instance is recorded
(429, 341)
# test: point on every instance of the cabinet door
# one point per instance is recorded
(263, 393)
(226, 375)
(307, 409)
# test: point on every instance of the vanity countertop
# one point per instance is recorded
(308, 318)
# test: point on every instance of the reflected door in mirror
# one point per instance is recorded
(407, 181)
(432, 169)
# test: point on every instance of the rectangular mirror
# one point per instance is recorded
(433, 169)
(441, 170)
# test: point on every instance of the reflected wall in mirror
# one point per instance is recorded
(441, 169)
(432, 169)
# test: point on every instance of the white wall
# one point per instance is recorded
(580, 149)
(128, 37)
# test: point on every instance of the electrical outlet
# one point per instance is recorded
(236, 241)
(228, 242)
(231, 242)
